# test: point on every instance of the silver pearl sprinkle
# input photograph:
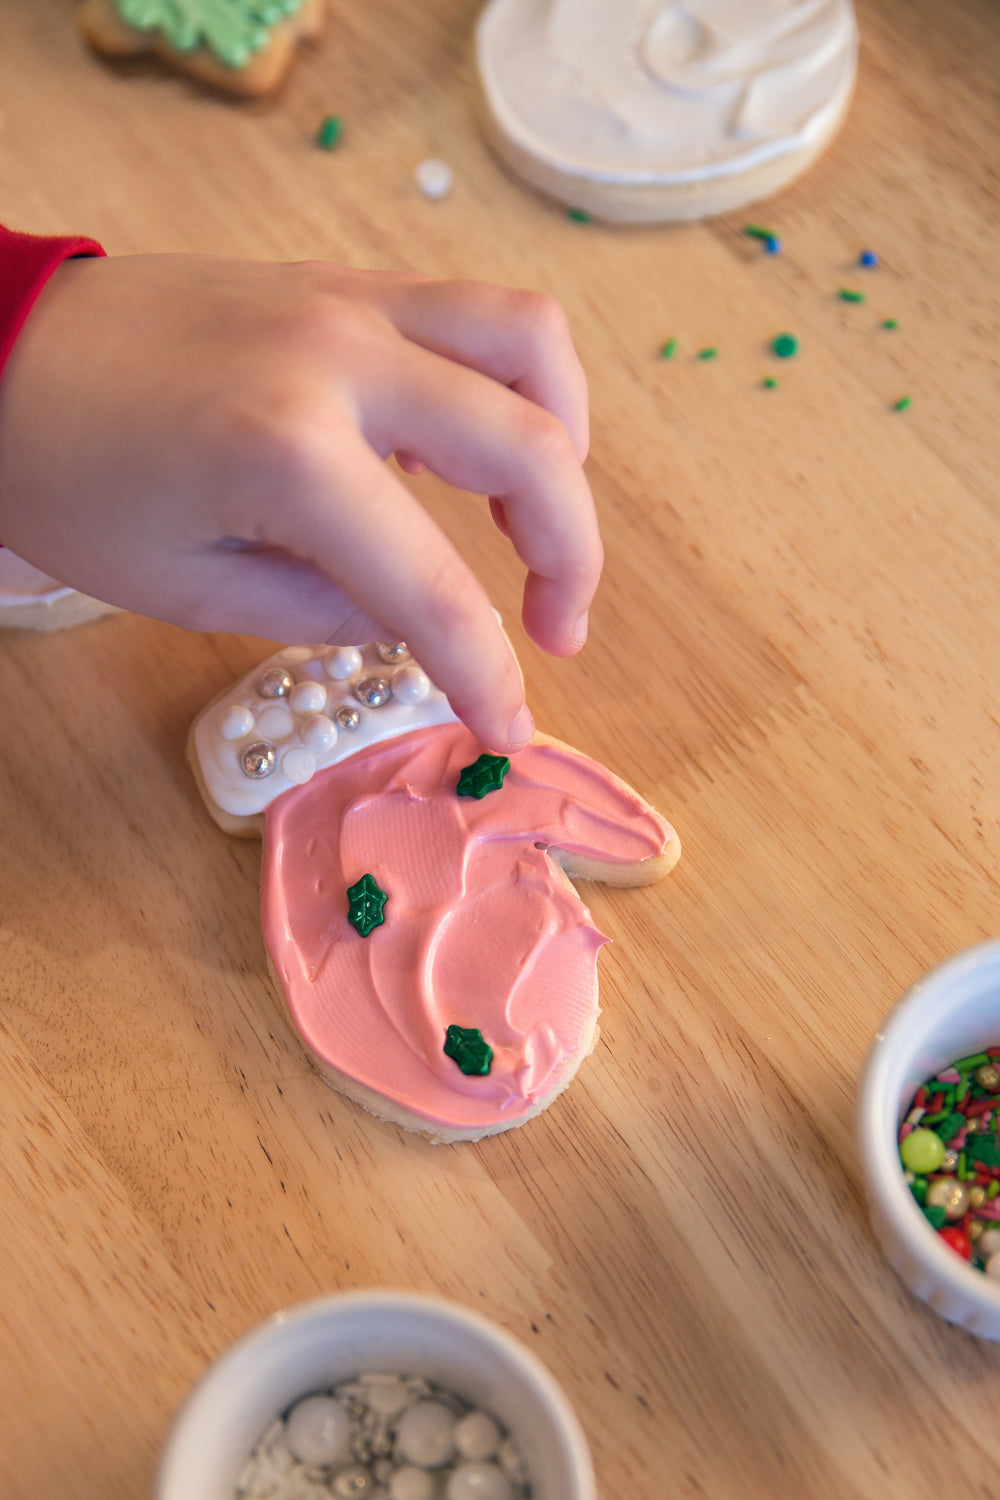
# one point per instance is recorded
(392, 652)
(373, 691)
(258, 760)
(275, 683)
(353, 1483)
(347, 718)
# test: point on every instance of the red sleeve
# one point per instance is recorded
(26, 263)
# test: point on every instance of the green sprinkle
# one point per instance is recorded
(903, 403)
(578, 215)
(890, 322)
(981, 1149)
(709, 353)
(950, 1125)
(669, 349)
(848, 294)
(785, 345)
(935, 1215)
(970, 1064)
(962, 1167)
(769, 383)
(366, 905)
(329, 132)
(486, 774)
(465, 1046)
(992, 1190)
(758, 232)
(918, 1187)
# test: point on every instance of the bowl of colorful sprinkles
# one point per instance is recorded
(929, 1126)
(376, 1396)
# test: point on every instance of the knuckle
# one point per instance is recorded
(545, 440)
(541, 315)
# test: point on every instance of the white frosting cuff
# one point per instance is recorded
(282, 719)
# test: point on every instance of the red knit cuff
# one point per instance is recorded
(26, 263)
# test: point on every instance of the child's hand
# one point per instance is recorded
(202, 440)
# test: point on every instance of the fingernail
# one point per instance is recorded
(580, 629)
(521, 730)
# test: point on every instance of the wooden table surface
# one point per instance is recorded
(795, 655)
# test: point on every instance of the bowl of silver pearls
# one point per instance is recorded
(376, 1396)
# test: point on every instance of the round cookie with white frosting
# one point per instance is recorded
(640, 110)
(417, 909)
(31, 600)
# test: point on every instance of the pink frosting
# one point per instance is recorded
(481, 929)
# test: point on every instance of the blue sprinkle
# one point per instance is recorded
(868, 258)
(772, 245)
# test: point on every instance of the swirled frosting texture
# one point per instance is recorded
(647, 92)
(481, 929)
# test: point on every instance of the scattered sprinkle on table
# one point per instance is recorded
(434, 177)
(578, 215)
(949, 1149)
(669, 349)
(849, 294)
(890, 322)
(329, 133)
(709, 353)
(868, 258)
(772, 245)
(758, 232)
(902, 403)
(769, 383)
(785, 345)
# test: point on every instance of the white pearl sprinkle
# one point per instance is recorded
(425, 1435)
(293, 655)
(411, 1484)
(478, 1482)
(989, 1242)
(237, 722)
(343, 663)
(318, 1431)
(319, 733)
(307, 697)
(298, 765)
(410, 684)
(477, 1435)
(275, 721)
(434, 177)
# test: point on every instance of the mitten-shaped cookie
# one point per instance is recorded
(434, 955)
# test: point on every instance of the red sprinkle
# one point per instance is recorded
(920, 1098)
(957, 1239)
(993, 1052)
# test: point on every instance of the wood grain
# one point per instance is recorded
(795, 654)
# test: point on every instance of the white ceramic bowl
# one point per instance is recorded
(952, 1012)
(321, 1343)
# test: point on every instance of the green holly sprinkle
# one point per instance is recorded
(465, 1045)
(367, 901)
(484, 775)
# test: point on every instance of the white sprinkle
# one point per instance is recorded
(434, 178)
(477, 1435)
(237, 722)
(318, 1431)
(307, 697)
